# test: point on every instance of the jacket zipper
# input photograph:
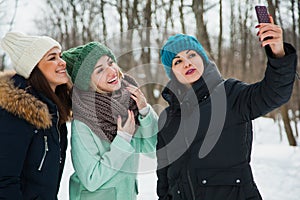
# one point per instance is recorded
(45, 152)
(191, 185)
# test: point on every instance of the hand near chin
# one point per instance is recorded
(138, 96)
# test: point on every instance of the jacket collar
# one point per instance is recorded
(17, 100)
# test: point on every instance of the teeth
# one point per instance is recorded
(61, 71)
(112, 80)
(190, 71)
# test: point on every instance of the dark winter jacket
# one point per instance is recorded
(32, 146)
(205, 137)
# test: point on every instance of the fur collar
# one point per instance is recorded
(22, 104)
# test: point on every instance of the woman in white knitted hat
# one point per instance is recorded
(34, 108)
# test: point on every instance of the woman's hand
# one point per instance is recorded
(129, 126)
(138, 96)
(271, 34)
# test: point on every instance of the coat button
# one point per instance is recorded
(36, 131)
(204, 181)
(238, 181)
(178, 191)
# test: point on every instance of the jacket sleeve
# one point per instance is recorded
(145, 138)
(94, 165)
(14, 143)
(162, 168)
(254, 100)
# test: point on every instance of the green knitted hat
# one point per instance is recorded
(81, 61)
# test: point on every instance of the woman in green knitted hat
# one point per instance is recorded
(112, 126)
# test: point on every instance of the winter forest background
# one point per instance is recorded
(135, 30)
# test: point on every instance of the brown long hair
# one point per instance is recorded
(61, 97)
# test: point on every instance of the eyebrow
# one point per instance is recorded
(98, 66)
(185, 53)
(51, 54)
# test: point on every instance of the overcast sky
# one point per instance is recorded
(28, 10)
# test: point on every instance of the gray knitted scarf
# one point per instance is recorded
(99, 111)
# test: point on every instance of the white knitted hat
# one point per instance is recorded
(26, 51)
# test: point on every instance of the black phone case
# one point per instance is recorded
(262, 14)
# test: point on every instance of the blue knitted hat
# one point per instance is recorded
(177, 43)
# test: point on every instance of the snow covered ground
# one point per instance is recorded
(276, 167)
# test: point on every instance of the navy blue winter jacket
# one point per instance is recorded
(32, 144)
(205, 138)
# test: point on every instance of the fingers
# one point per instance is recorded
(269, 34)
(130, 116)
(119, 121)
(134, 90)
(137, 96)
(129, 125)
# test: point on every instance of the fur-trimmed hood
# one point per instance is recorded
(22, 104)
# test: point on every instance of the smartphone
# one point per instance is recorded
(262, 14)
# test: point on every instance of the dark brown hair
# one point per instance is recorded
(61, 97)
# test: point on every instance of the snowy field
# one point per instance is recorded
(276, 167)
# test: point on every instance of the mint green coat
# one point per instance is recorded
(107, 171)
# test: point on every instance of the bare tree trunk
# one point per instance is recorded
(182, 17)
(298, 24)
(294, 24)
(103, 20)
(202, 33)
(244, 37)
(74, 22)
(295, 120)
(220, 40)
(278, 119)
(298, 68)
(169, 15)
(146, 53)
(295, 42)
(66, 33)
(287, 125)
(120, 10)
(230, 60)
(272, 10)
(131, 13)
(2, 62)
(284, 108)
(12, 21)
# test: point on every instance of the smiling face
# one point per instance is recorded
(106, 75)
(187, 66)
(54, 68)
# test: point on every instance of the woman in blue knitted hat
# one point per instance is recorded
(205, 137)
(112, 126)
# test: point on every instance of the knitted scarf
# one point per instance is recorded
(99, 111)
